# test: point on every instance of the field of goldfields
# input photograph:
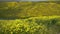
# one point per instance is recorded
(32, 25)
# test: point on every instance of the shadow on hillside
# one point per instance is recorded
(13, 18)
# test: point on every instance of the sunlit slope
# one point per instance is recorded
(27, 9)
(33, 25)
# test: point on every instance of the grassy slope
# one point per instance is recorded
(33, 25)
(28, 9)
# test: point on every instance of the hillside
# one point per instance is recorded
(28, 9)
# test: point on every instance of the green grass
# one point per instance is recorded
(32, 25)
